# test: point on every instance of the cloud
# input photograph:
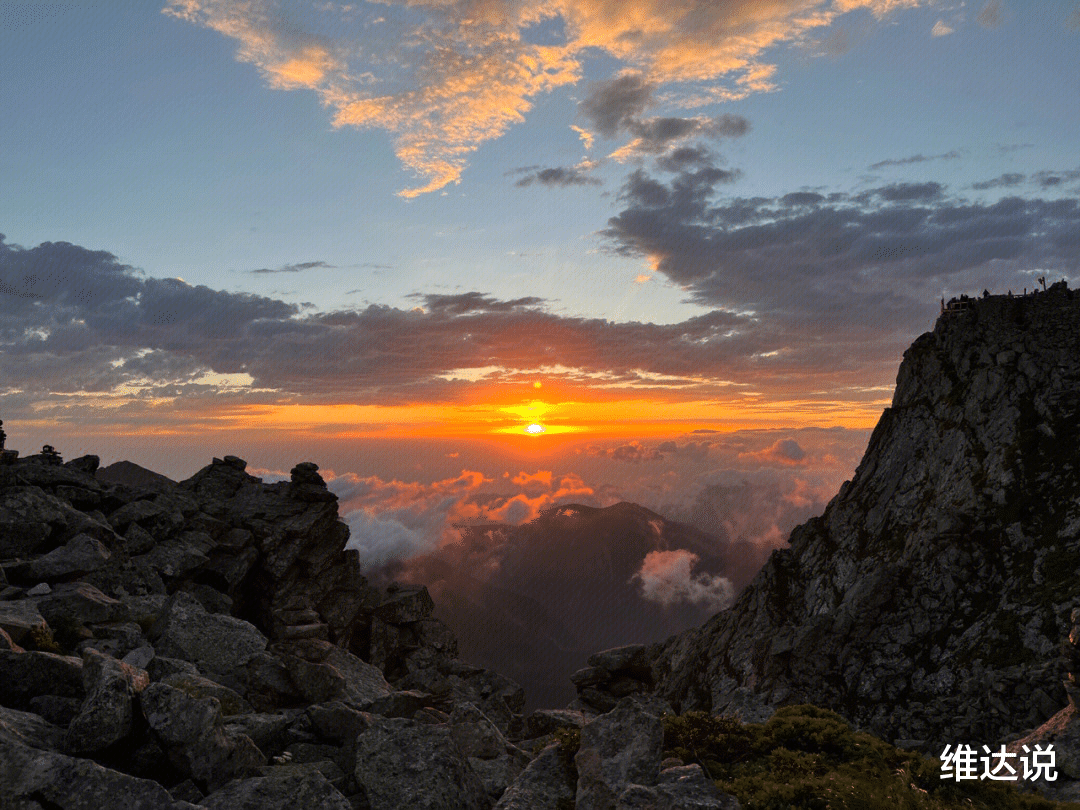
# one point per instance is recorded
(941, 29)
(563, 176)
(292, 268)
(782, 451)
(1007, 180)
(991, 15)
(920, 158)
(1053, 179)
(442, 77)
(667, 578)
(867, 265)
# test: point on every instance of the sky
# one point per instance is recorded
(689, 240)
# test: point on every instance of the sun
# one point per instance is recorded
(535, 429)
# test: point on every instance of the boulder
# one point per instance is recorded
(296, 788)
(29, 729)
(405, 604)
(80, 555)
(82, 603)
(404, 764)
(19, 618)
(191, 732)
(32, 778)
(107, 715)
(31, 522)
(25, 675)
(545, 784)
(619, 748)
(214, 642)
(197, 686)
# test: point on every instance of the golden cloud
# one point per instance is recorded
(457, 73)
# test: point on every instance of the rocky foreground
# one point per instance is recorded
(213, 644)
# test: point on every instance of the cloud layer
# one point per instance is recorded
(444, 76)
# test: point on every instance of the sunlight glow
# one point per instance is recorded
(535, 429)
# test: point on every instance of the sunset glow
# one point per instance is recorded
(643, 249)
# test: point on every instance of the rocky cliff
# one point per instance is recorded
(927, 604)
(212, 644)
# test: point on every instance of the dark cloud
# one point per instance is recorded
(612, 105)
(616, 107)
(920, 158)
(910, 192)
(1052, 179)
(473, 302)
(292, 268)
(801, 198)
(686, 157)
(782, 451)
(1007, 180)
(561, 176)
(845, 281)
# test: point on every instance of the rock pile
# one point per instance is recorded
(213, 644)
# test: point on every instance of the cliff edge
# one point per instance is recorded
(929, 602)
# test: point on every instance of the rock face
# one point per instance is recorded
(213, 642)
(927, 603)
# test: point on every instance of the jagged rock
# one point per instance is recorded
(87, 464)
(687, 788)
(405, 604)
(107, 715)
(174, 558)
(80, 555)
(405, 703)
(545, 784)
(29, 729)
(214, 642)
(82, 603)
(19, 618)
(405, 764)
(547, 721)
(115, 638)
(336, 721)
(191, 731)
(619, 748)
(25, 675)
(267, 731)
(162, 667)
(197, 686)
(140, 657)
(31, 522)
(322, 672)
(308, 485)
(927, 601)
(55, 780)
(293, 789)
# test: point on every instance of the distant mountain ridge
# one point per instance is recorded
(533, 601)
(929, 602)
(131, 474)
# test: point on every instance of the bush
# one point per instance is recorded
(810, 758)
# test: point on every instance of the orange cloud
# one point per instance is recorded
(465, 73)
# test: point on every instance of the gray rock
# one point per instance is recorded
(59, 711)
(406, 604)
(140, 657)
(82, 603)
(292, 790)
(107, 715)
(55, 780)
(214, 642)
(80, 555)
(191, 732)
(26, 675)
(197, 686)
(19, 618)
(40, 589)
(405, 764)
(621, 747)
(545, 784)
(336, 721)
(31, 522)
(547, 721)
(267, 731)
(29, 729)
(688, 788)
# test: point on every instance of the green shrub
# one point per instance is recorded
(41, 638)
(808, 758)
